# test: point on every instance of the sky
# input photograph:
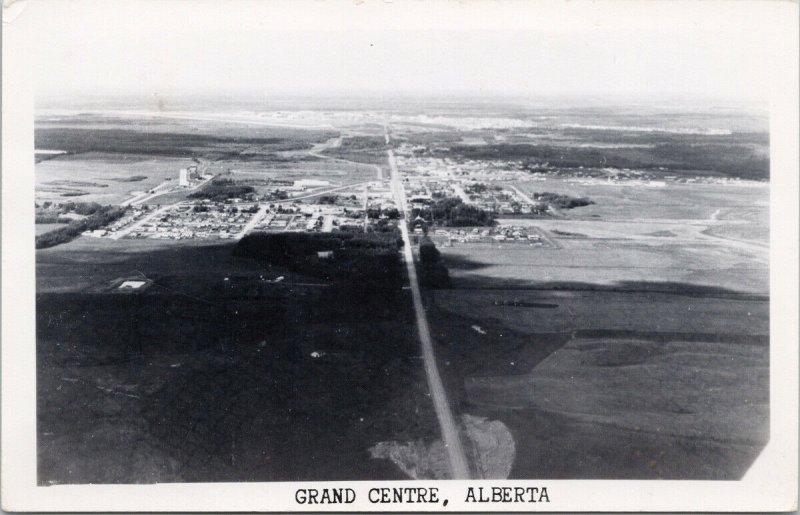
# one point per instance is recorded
(476, 48)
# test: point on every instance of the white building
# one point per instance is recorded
(310, 183)
(183, 177)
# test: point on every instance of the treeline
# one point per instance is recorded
(479, 188)
(354, 259)
(52, 219)
(80, 208)
(49, 213)
(220, 191)
(452, 212)
(76, 140)
(562, 201)
(715, 159)
(362, 149)
(103, 216)
(432, 273)
(376, 143)
(391, 213)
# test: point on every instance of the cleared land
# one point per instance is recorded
(43, 228)
(612, 385)
(610, 243)
(673, 201)
(102, 178)
(638, 347)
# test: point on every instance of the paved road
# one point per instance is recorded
(524, 197)
(455, 451)
(261, 213)
(319, 193)
(135, 225)
(135, 201)
(461, 193)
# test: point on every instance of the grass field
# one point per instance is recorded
(703, 235)
(673, 201)
(611, 385)
(43, 228)
(637, 347)
(102, 177)
(337, 172)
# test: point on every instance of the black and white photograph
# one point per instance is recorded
(301, 244)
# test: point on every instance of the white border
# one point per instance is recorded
(770, 485)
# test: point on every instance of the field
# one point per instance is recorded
(43, 228)
(102, 178)
(338, 173)
(638, 347)
(672, 201)
(715, 237)
(602, 385)
(109, 157)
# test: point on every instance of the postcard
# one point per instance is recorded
(399, 256)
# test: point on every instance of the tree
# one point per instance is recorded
(428, 253)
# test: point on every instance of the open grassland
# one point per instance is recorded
(335, 171)
(103, 178)
(703, 235)
(636, 347)
(707, 312)
(215, 374)
(580, 263)
(612, 385)
(43, 228)
(613, 408)
(673, 201)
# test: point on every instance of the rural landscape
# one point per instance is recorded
(292, 289)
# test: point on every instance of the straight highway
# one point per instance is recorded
(459, 467)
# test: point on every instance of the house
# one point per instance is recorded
(325, 254)
(132, 285)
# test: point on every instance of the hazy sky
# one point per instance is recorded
(335, 47)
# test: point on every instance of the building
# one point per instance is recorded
(132, 285)
(183, 177)
(310, 183)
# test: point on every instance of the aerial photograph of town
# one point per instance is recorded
(281, 287)
(212, 285)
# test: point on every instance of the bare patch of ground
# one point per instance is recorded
(489, 444)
